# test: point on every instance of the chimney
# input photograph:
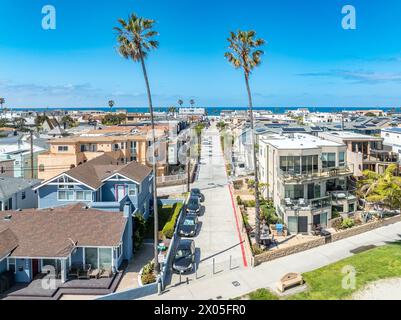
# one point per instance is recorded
(127, 209)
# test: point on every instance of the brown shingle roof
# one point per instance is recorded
(8, 241)
(93, 172)
(51, 233)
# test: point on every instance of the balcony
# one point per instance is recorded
(381, 156)
(342, 195)
(292, 177)
(307, 204)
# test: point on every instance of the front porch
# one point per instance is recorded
(45, 287)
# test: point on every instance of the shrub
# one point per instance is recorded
(256, 249)
(238, 184)
(168, 229)
(347, 223)
(239, 200)
(249, 203)
(148, 278)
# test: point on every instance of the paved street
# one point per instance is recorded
(218, 238)
(220, 286)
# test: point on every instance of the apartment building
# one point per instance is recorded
(307, 179)
(392, 139)
(364, 152)
(67, 153)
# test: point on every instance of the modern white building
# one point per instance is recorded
(392, 138)
(307, 179)
(322, 117)
(364, 152)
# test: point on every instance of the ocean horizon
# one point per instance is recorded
(212, 111)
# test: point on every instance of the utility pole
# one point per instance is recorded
(32, 169)
(188, 174)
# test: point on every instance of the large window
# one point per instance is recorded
(91, 257)
(83, 195)
(328, 160)
(299, 164)
(294, 192)
(132, 190)
(66, 195)
(105, 257)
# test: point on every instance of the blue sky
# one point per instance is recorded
(309, 59)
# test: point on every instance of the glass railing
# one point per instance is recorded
(320, 173)
(307, 204)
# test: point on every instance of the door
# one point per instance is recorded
(35, 267)
(120, 192)
(302, 224)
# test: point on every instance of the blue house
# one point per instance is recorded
(102, 183)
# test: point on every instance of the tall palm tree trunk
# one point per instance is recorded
(155, 208)
(255, 164)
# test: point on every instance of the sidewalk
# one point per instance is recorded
(267, 274)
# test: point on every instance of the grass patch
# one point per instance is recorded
(262, 294)
(326, 283)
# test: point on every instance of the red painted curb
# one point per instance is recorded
(238, 230)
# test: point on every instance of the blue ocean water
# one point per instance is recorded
(215, 111)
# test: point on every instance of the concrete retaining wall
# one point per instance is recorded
(275, 254)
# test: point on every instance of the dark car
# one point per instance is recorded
(189, 227)
(184, 256)
(193, 206)
(195, 192)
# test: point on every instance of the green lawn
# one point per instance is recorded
(326, 283)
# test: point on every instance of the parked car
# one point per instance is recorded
(193, 206)
(184, 258)
(195, 192)
(189, 226)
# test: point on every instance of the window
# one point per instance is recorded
(66, 195)
(132, 190)
(115, 147)
(62, 148)
(341, 159)
(105, 257)
(41, 168)
(91, 257)
(328, 160)
(294, 191)
(83, 195)
(11, 264)
(2, 170)
(23, 195)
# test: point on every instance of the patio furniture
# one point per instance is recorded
(95, 273)
(289, 280)
(85, 272)
(74, 271)
(301, 202)
(288, 202)
(106, 273)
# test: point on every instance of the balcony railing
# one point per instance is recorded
(342, 195)
(321, 173)
(381, 156)
(307, 204)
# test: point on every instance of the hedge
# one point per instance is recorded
(168, 229)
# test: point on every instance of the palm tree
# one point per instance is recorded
(244, 53)
(135, 40)
(180, 102)
(382, 188)
(111, 104)
(172, 110)
(192, 102)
